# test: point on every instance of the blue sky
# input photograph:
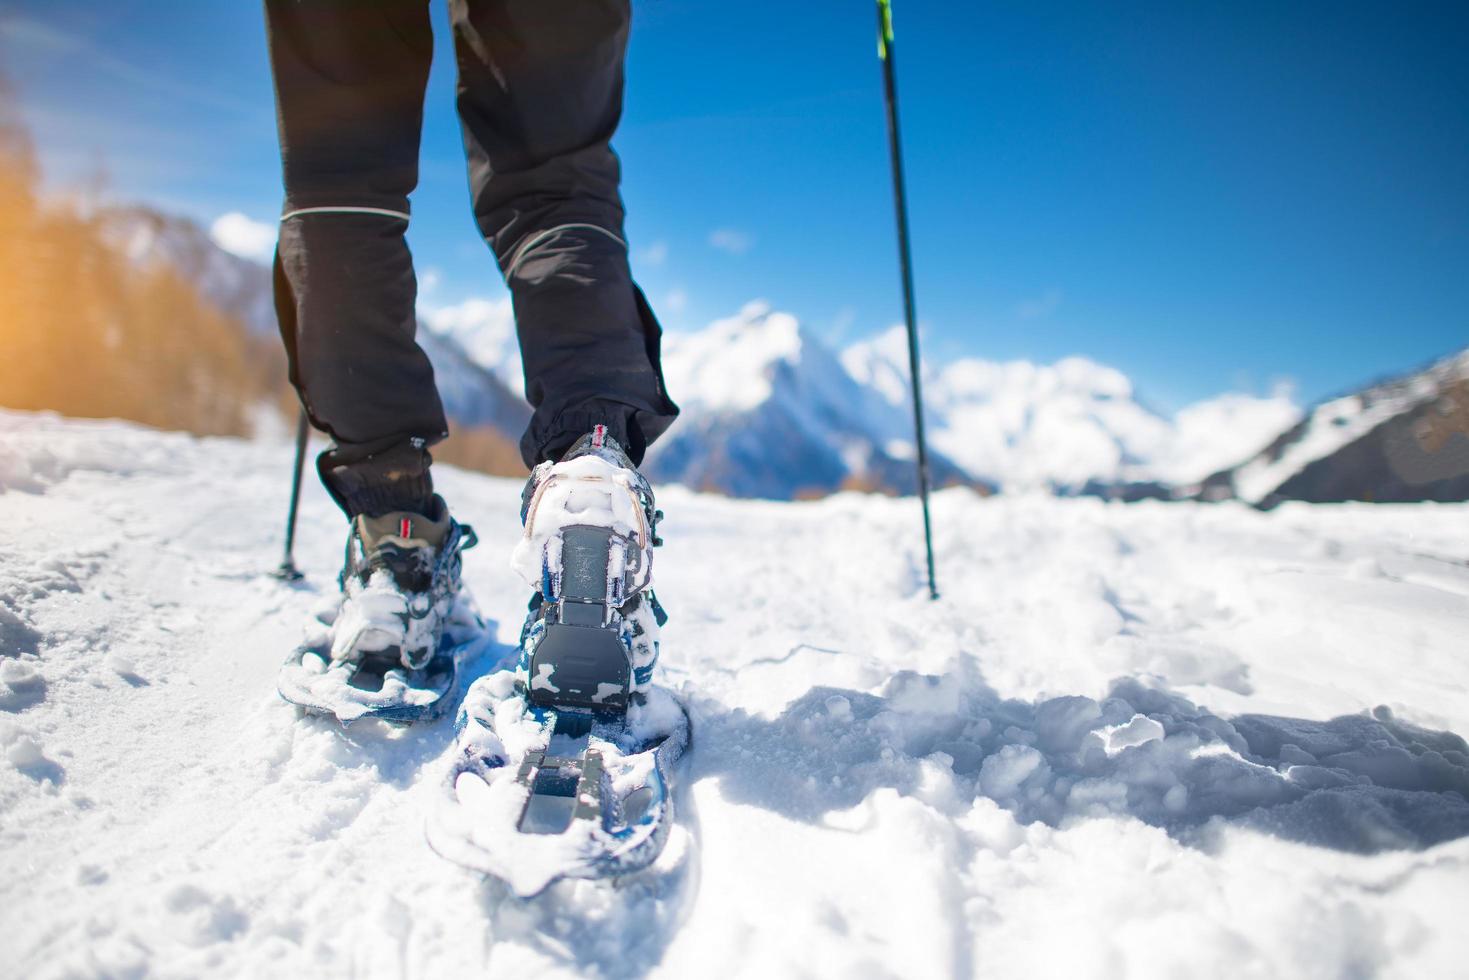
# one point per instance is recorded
(1207, 196)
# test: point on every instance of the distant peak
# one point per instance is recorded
(762, 332)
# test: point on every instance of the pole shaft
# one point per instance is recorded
(303, 431)
(905, 260)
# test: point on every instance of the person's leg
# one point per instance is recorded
(349, 79)
(540, 94)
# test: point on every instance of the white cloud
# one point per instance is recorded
(1039, 307)
(675, 301)
(654, 255)
(244, 236)
(731, 240)
(428, 280)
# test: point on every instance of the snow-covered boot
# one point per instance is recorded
(400, 579)
(590, 524)
(391, 646)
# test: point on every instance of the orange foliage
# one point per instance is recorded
(480, 448)
(83, 331)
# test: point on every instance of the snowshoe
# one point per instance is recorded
(563, 760)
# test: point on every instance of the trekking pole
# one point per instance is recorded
(288, 571)
(905, 260)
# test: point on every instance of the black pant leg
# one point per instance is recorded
(540, 95)
(349, 79)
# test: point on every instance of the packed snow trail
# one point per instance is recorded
(1149, 740)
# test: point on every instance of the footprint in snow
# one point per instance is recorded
(29, 758)
(21, 685)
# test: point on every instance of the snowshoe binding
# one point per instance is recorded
(392, 646)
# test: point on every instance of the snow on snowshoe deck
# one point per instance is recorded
(374, 687)
(538, 794)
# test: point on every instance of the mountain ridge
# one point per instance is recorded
(771, 410)
(1401, 439)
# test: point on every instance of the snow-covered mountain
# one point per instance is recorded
(1067, 425)
(473, 396)
(241, 288)
(237, 286)
(485, 330)
(1398, 440)
(769, 411)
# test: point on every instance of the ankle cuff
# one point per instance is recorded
(394, 480)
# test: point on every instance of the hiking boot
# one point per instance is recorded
(399, 583)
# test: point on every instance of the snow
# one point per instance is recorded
(588, 490)
(474, 822)
(1129, 741)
